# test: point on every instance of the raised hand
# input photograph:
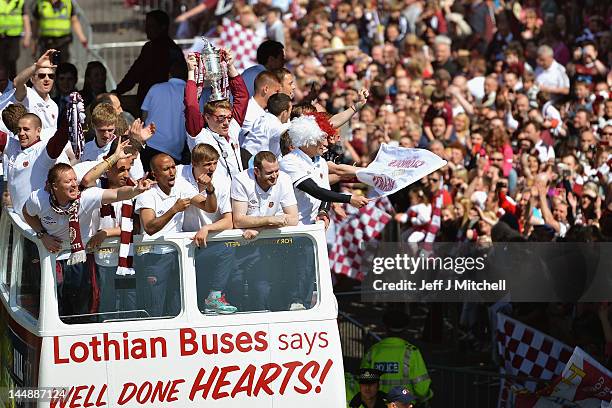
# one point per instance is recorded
(45, 60)
(144, 184)
(192, 62)
(140, 132)
(120, 150)
(204, 180)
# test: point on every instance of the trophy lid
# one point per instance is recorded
(207, 48)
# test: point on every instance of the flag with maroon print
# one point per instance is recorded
(526, 352)
(360, 227)
(243, 43)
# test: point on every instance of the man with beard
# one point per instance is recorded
(60, 213)
(161, 212)
(258, 195)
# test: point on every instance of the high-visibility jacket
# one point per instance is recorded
(351, 386)
(11, 17)
(402, 365)
(54, 21)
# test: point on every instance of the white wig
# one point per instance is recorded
(304, 131)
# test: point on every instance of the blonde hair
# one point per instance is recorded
(104, 114)
(203, 153)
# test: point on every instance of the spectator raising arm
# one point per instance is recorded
(24, 76)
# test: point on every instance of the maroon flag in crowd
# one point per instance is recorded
(583, 383)
(243, 43)
(360, 227)
(526, 352)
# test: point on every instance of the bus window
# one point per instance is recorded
(150, 290)
(28, 281)
(269, 274)
(6, 263)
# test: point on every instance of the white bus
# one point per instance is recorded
(127, 357)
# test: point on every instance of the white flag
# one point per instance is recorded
(397, 167)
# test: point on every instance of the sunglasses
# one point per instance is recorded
(43, 76)
(221, 118)
(434, 180)
(497, 159)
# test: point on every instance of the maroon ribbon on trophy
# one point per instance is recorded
(76, 118)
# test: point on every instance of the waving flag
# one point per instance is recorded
(397, 167)
(359, 227)
(242, 41)
(526, 352)
(583, 383)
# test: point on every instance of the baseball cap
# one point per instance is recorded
(399, 394)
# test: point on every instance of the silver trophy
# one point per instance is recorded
(214, 72)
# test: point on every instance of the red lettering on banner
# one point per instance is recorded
(221, 382)
(204, 387)
(407, 163)
(72, 399)
(291, 366)
(109, 349)
(263, 383)
(249, 376)
(150, 392)
(384, 183)
(209, 343)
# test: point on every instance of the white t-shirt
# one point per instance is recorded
(169, 118)
(194, 217)
(262, 203)
(26, 170)
(300, 167)
(253, 112)
(160, 202)
(91, 151)
(46, 110)
(554, 76)
(38, 204)
(265, 134)
(545, 152)
(229, 151)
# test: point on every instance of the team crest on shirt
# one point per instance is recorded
(253, 201)
(26, 164)
(271, 204)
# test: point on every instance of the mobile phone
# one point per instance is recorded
(56, 58)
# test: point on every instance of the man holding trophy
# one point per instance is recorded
(221, 121)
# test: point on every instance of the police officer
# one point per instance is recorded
(369, 396)
(55, 20)
(400, 361)
(14, 25)
(400, 397)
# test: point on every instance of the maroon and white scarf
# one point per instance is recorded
(77, 249)
(108, 219)
(76, 118)
(436, 220)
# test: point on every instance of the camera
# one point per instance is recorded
(56, 57)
